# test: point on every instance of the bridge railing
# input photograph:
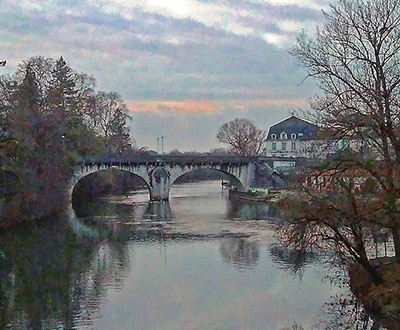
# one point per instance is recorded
(172, 160)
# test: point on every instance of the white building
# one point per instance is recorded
(293, 137)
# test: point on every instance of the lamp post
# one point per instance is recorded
(162, 145)
(158, 145)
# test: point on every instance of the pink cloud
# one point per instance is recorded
(183, 107)
(245, 105)
(213, 107)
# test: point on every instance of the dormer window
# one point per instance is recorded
(283, 136)
(293, 136)
(273, 136)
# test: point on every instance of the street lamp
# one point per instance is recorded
(3, 63)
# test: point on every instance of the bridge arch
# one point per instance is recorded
(234, 179)
(84, 172)
(159, 172)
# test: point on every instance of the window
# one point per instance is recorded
(293, 145)
(293, 136)
(273, 136)
(283, 145)
(273, 145)
(283, 136)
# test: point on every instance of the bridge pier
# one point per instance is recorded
(160, 172)
(160, 184)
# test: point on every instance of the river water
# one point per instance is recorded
(201, 261)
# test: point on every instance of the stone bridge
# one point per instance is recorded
(160, 172)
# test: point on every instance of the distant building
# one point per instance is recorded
(218, 151)
(293, 137)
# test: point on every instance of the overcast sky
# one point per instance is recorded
(183, 67)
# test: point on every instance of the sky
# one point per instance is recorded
(183, 67)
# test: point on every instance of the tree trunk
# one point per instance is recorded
(396, 241)
(373, 274)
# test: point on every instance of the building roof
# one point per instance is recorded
(304, 130)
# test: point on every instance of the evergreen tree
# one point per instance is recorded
(40, 161)
(50, 121)
(120, 138)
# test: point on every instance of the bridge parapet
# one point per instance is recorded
(161, 159)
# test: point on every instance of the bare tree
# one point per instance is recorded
(110, 120)
(356, 60)
(242, 137)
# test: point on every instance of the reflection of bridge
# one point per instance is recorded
(159, 172)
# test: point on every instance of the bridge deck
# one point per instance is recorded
(173, 160)
(162, 159)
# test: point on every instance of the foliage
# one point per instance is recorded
(381, 302)
(242, 137)
(110, 121)
(355, 59)
(50, 120)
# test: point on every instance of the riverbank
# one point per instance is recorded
(95, 270)
(266, 196)
(380, 301)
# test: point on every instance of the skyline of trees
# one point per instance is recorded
(242, 137)
(50, 120)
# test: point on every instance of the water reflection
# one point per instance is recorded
(247, 210)
(345, 312)
(293, 261)
(240, 252)
(41, 285)
(57, 275)
(104, 208)
(159, 212)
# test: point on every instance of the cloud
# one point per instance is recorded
(183, 65)
(313, 4)
(278, 103)
(176, 107)
(209, 14)
(30, 5)
(276, 39)
(194, 125)
(291, 26)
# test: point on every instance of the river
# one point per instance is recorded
(201, 261)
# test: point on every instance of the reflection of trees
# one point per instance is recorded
(291, 260)
(345, 312)
(51, 276)
(103, 208)
(245, 210)
(119, 223)
(240, 252)
(44, 270)
(54, 275)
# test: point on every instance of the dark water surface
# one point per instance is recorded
(200, 261)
